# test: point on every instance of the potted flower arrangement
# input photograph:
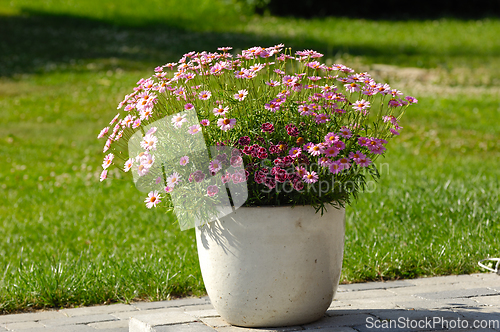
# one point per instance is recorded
(260, 151)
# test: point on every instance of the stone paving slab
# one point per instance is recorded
(23, 326)
(78, 320)
(150, 322)
(245, 329)
(470, 298)
(375, 285)
(100, 309)
(364, 294)
(27, 317)
(489, 300)
(458, 293)
(190, 327)
(171, 304)
(116, 324)
(419, 304)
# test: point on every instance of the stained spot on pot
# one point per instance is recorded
(316, 260)
(298, 223)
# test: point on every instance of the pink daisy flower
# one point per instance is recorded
(361, 105)
(136, 124)
(142, 169)
(307, 146)
(128, 121)
(173, 179)
(220, 110)
(107, 145)
(188, 106)
(315, 150)
(204, 95)
(411, 100)
(104, 175)
(331, 138)
(168, 189)
(394, 131)
(339, 145)
(118, 136)
(107, 160)
(356, 155)
(344, 163)
(184, 161)
(178, 120)
(331, 152)
(145, 114)
(345, 133)
(273, 83)
(363, 141)
(273, 107)
(214, 166)
(352, 87)
(300, 171)
(257, 67)
(189, 76)
(114, 119)
(310, 177)
(324, 161)
(194, 129)
(216, 69)
(128, 164)
(394, 103)
(153, 199)
(364, 162)
(149, 142)
(241, 95)
(205, 122)
(383, 88)
(226, 124)
(335, 167)
(241, 73)
(322, 118)
(314, 78)
(295, 151)
(103, 132)
(378, 149)
(305, 109)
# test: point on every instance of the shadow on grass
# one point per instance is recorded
(37, 42)
(390, 9)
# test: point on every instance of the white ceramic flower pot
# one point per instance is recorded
(272, 266)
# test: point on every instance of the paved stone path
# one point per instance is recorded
(456, 303)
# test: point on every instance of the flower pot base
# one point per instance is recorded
(272, 266)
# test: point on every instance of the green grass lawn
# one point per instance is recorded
(67, 239)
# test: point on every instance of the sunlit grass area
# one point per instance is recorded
(67, 239)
